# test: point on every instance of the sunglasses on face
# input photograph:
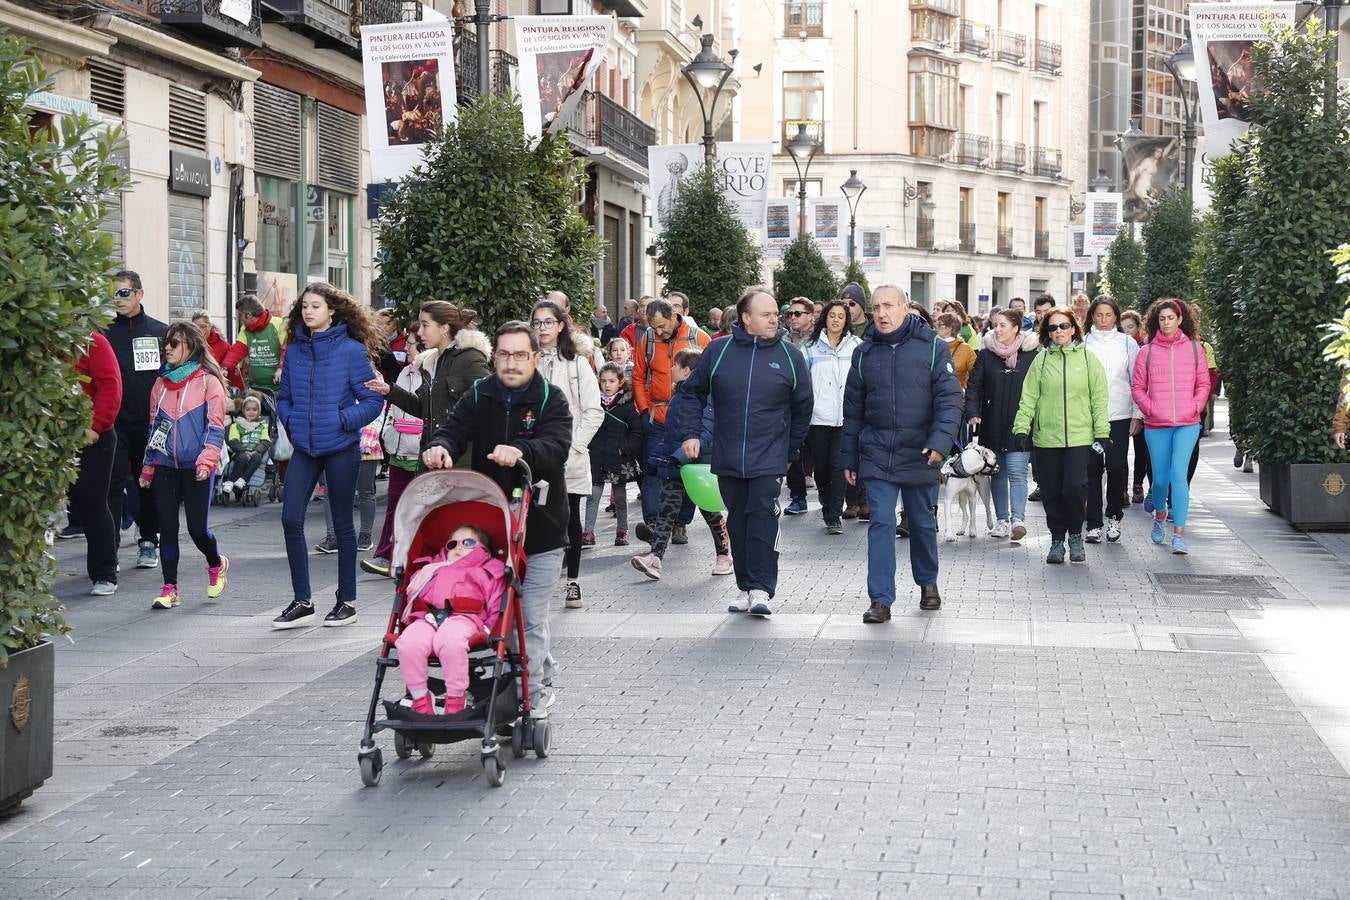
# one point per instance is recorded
(123, 293)
(797, 312)
(1061, 326)
(172, 344)
(466, 543)
(853, 303)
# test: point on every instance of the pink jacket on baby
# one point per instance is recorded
(1171, 381)
(470, 586)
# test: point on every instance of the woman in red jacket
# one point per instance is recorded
(101, 379)
(218, 346)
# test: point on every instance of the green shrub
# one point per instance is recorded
(488, 220)
(1169, 233)
(854, 272)
(804, 273)
(58, 265)
(1123, 267)
(705, 252)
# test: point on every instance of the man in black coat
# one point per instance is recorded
(135, 339)
(510, 416)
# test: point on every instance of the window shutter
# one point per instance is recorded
(339, 150)
(187, 255)
(276, 132)
(187, 118)
(108, 87)
(112, 224)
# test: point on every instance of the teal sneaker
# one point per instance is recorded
(1179, 545)
(1157, 531)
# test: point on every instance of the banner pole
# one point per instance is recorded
(483, 21)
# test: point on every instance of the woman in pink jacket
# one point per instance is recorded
(1170, 387)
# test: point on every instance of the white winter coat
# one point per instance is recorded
(404, 443)
(829, 372)
(577, 381)
(1117, 352)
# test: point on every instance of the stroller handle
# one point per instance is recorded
(526, 475)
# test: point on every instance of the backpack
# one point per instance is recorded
(650, 337)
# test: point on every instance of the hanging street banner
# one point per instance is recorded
(742, 169)
(1080, 260)
(558, 55)
(1103, 218)
(1151, 165)
(780, 226)
(1223, 35)
(825, 219)
(872, 247)
(409, 73)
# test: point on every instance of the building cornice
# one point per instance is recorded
(166, 47)
(53, 34)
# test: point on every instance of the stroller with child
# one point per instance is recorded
(498, 695)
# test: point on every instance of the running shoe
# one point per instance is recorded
(376, 565)
(621, 538)
(1157, 536)
(588, 539)
(103, 589)
(167, 599)
(572, 595)
(1000, 529)
(796, 508)
(327, 545)
(740, 604)
(1112, 530)
(147, 555)
(364, 543)
(649, 565)
(1179, 547)
(1094, 536)
(723, 565)
(70, 531)
(215, 578)
(834, 528)
(759, 604)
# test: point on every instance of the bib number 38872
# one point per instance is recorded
(145, 354)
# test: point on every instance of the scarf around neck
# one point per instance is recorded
(181, 373)
(1007, 353)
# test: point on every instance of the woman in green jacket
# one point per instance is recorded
(1062, 419)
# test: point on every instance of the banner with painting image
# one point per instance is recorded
(826, 225)
(1151, 166)
(558, 55)
(871, 253)
(408, 70)
(1103, 218)
(780, 226)
(1080, 260)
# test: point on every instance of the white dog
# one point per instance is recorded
(965, 476)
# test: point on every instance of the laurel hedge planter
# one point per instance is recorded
(1308, 496)
(28, 693)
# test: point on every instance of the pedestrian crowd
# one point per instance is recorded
(871, 400)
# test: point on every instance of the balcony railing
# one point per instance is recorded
(947, 7)
(1046, 162)
(1042, 245)
(204, 19)
(968, 236)
(971, 149)
(815, 130)
(504, 68)
(1005, 241)
(601, 122)
(382, 12)
(1048, 57)
(804, 18)
(923, 233)
(973, 37)
(1012, 48)
(1010, 156)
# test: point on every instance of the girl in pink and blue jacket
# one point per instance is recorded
(187, 430)
(1171, 386)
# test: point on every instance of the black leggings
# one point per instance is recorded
(89, 505)
(573, 555)
(172, 488)
(243, 465)
(1062, 473)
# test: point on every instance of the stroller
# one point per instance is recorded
(431, 508)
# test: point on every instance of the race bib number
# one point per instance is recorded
(145, 354)
(159, 441)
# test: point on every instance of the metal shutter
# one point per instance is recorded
(187, 118)
(339, 150)
(187, 255)
(609, 291)
(112, 224)
(276, 132)
(108, 87)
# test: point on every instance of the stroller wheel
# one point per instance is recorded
(541, 738)
(495, 771)
(518, 738)
(372, 765)
(426, 749)
(402, 749)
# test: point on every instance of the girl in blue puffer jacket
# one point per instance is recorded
(323, 401)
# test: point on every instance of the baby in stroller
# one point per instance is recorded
(453, 599)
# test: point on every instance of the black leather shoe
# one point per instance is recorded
(902, 527)
(929, 598)
(876, 614)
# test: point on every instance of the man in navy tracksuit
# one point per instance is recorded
(760, 386)
(902, 406)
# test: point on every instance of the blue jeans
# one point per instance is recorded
(1011, 483)
(302, 475)
(921, 506)
(654, 434)
(536, 591)
(1169, 451)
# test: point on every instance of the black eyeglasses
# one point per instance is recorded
(1061, 326)
(466, 543)
(798, 312)
(123, 293)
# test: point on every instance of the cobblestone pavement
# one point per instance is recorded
(1052, 732)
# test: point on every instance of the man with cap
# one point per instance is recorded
(858, 311)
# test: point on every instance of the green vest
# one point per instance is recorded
(264, 355)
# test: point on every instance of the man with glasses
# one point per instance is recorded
(135, 339)
(801, 320)
(856, 298)
(509, 416)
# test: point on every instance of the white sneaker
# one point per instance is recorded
(103, 589)
(1094, 536)
(759, 604)
(1112, 530)
(741, 603)
(240, 484)
(227, 490)
(1000, 529)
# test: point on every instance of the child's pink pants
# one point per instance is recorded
(449, 643)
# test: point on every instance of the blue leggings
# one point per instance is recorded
(1169, 451)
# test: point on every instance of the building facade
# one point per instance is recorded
(964, 120)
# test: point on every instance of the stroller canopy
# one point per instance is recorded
(433, 491)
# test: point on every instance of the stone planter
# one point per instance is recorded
(27, 697)
(1315, 497)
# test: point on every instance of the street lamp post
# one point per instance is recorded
(803, 148)
(482, 18)
(853, 190)
(1182, 67)
(707, 72)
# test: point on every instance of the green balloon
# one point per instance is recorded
(701, 486)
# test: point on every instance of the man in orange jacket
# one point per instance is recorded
(666, 334)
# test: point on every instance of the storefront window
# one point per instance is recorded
(276, 225)
(326, 221)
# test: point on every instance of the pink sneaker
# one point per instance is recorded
(454, 704)
(723, 565)
(424, 705)
(215, 578)
(649, 565)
